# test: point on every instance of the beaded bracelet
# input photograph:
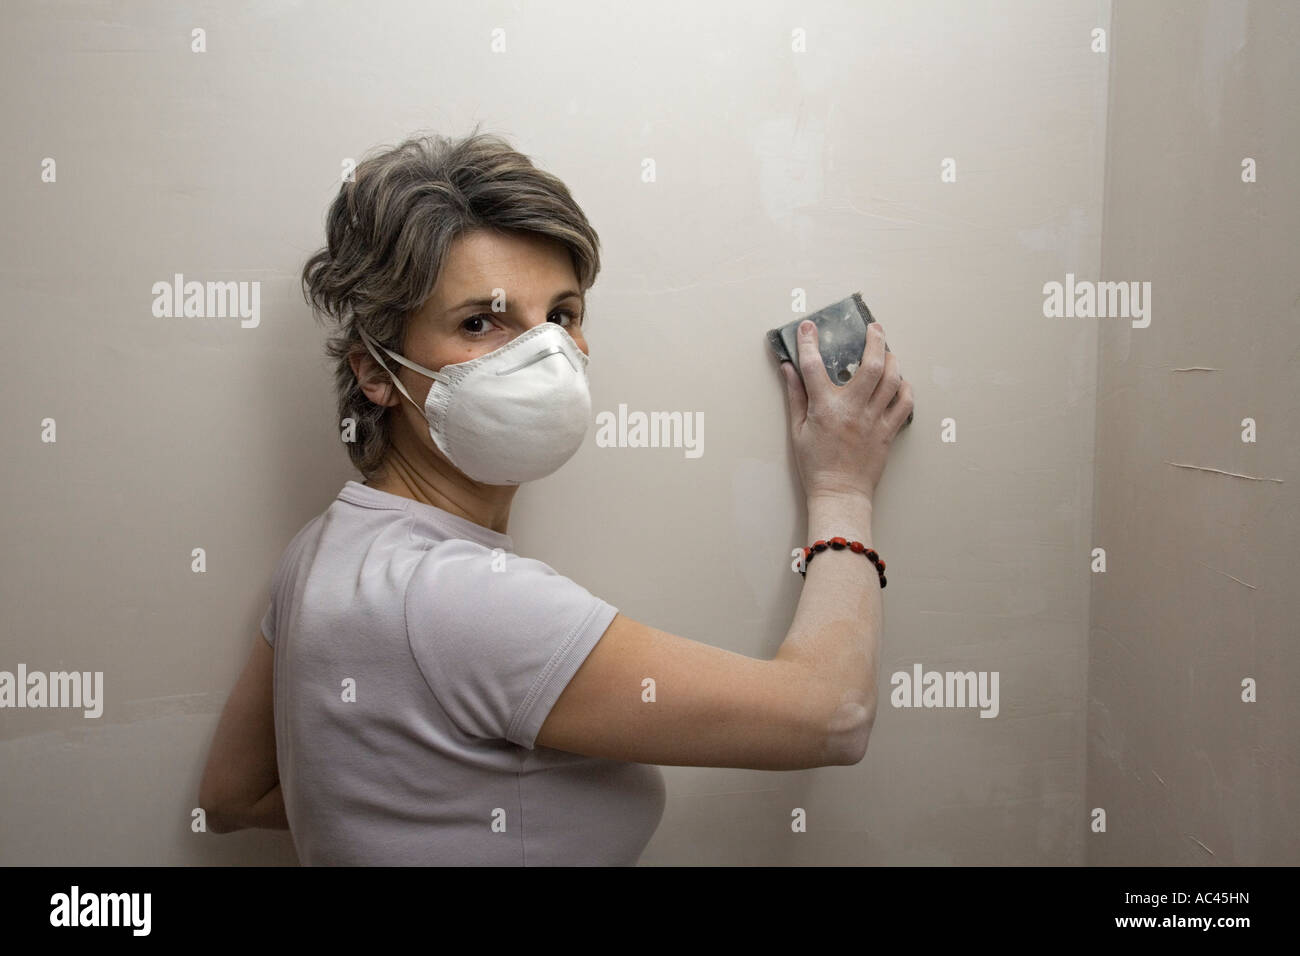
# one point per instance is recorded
(838, 544)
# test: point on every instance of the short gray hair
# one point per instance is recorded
(388, 232)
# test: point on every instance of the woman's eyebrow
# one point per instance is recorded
(487, 300)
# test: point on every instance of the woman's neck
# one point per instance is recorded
(443, 487)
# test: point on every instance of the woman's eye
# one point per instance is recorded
(475, 328)
(574, 318)
(475, 332)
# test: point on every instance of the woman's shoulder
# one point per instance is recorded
(474, 583)
(454, 559)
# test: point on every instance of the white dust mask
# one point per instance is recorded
(516, 414)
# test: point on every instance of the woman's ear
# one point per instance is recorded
(372, 379)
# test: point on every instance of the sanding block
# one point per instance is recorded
(841, 337)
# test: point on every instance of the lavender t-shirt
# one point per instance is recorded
(416, 657)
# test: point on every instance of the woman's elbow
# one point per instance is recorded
(218, 824)
(859, 749)
(854, 722)
(218, 816)
(215, 821)
(849, 730)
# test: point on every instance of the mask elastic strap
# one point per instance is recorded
(436, 376)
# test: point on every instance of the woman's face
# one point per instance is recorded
(457, 323)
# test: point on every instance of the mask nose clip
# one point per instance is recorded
(544, 353)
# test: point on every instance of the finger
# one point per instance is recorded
(887, 388)
(815, 379)
(872, 367)
(795, 397)
(895, 416)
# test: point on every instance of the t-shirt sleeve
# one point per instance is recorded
(288, 558)
(268, 621)
(272, 608)
(498, 637)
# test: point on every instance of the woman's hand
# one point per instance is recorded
(842, 433)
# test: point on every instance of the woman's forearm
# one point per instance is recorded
(837, 625)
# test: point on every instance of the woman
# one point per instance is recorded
(435, 698)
